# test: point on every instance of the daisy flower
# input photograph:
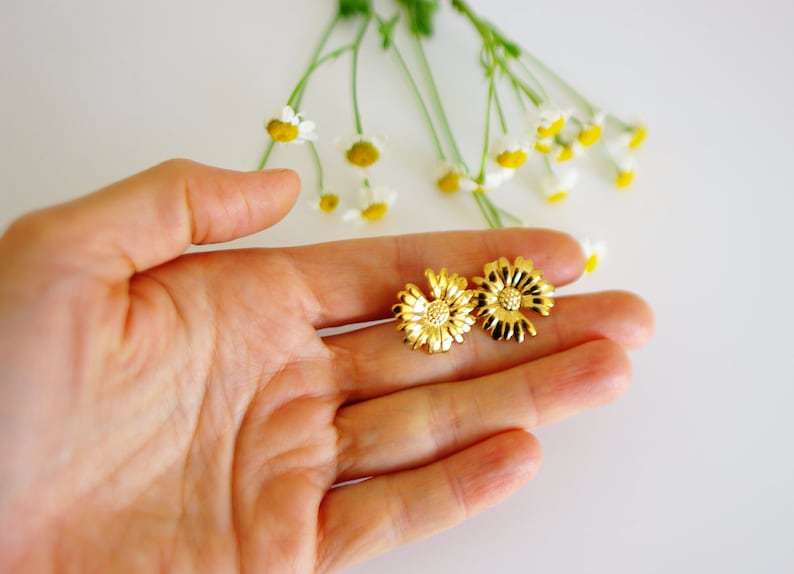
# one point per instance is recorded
(635, 135)
(291, 128)
(505, 290)
(547, 121)
(509, 153)
(449, 177)
(565, 150)
(362, 151)
(375, 203)
(557, 186)
(327, 202)
(490, 182)
(625, 173)
(439, 320)
(591, 130)
(544, 145)
(594, 252)
(557, 147)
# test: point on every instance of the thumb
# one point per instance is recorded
(153, 217)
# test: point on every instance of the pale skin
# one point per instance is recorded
(163, 412)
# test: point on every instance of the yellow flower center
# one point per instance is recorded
(624, 179)
(637, 137)
(362, 154)
(591, 263)
(590, 135)
(449, 182)
(328, 202)
(510, 299)
(552, 129)
(566, 154)
(542, 147)
(512, 159)
(282, 131)
(374, 211)
(437, 313)
(557, 196)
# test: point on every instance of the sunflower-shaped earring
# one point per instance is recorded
(439, 321)
(504, 290)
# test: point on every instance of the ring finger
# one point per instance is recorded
(419, 425)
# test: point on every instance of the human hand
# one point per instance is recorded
(170, 412)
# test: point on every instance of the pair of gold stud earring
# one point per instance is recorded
(438, 320)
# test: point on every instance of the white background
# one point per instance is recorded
(692, 470)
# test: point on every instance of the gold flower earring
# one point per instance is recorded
(438, 321)
(504, 291)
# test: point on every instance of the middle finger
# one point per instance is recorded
(372, 362)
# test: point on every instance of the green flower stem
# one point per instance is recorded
(495, 215)
(499, 111)
(547, 163)
(425, 111)
(487, 134)
(436, 98)
(492, 210)
(624, 126)
(532, 96)
(491, 40)
(607, 155)
(464, 9)
(510, 216)
(573, 92)
(486, 208)
(266, 155)
(517, 90)
(297, 94)
(318, 166)
(354, 74)
(526, 69)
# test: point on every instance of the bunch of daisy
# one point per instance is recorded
(547, 117)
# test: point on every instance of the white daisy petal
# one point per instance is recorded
(287, 114)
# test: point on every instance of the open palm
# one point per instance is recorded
(172, 412)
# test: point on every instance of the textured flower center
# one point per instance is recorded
(542, 146)
(512, 159)
(566, 153)
(329, 202)
(374, 211)
(282, 131)
(362, 154)
(437, 313)
(449, 182)
(591, 263)
(510, 299)
(637, 137)
(590, 135)
(557, 196)
(552, 129)
(624, 179)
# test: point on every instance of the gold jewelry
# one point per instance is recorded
(504, 290)
(438, 321)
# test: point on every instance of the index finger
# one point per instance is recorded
(358, 280)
